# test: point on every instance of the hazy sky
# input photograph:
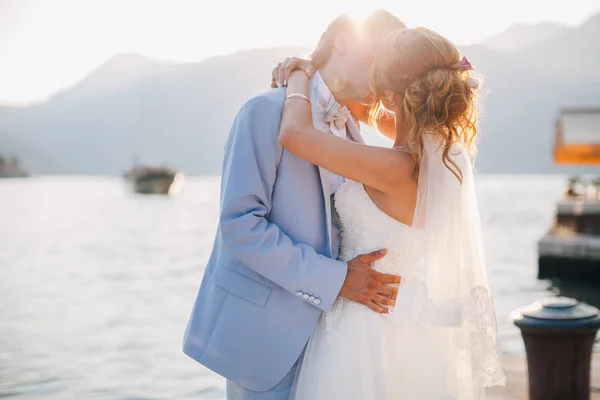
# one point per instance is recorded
(47, 45)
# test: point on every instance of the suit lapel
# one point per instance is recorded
(319, 122)
(327, 201)
(353, 130)
(318, 104)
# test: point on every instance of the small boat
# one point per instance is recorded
(11, 169)
(146, 179)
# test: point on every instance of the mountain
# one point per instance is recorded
(181, 113)
(118, 72)
(521, 36)
(527, 88)
(576, 52)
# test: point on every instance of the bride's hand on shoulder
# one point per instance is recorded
(281, 73)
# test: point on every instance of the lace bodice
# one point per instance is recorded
(365, 228)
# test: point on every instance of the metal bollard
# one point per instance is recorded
(559, 336)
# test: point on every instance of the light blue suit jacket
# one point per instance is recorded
(272, 271)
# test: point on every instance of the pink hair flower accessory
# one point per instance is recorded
(465, 65)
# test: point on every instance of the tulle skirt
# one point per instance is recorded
(357, 354)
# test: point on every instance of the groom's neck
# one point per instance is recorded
(336, 82)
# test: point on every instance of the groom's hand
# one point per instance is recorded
(366, 286)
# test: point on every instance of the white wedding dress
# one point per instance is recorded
(353, 352)
(428, 353)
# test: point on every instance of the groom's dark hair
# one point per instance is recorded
(378, 23)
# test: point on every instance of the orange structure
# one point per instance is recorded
(577, 137)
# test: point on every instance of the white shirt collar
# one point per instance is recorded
(323, 96)
(322, 93)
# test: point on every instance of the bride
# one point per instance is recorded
(416, 199)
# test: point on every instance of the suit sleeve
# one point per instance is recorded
(249, 172)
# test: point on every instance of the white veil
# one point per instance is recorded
(444, 300)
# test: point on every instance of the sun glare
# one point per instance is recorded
(358, 12)
(49, 45)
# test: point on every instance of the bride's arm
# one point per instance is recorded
(377, 167)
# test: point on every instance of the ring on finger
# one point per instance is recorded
(280, 73)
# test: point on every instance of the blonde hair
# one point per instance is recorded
(438, 96)
(379, 22)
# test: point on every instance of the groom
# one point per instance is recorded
(273, 269)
